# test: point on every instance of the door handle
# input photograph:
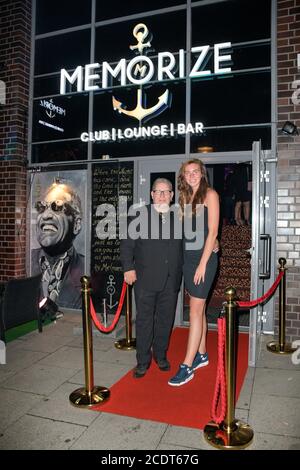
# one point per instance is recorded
(249, 251)
(266, 274)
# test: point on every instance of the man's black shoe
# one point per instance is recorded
(163, 364)
(139, 371)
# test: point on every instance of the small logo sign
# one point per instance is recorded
(111, 291)
(52, 109)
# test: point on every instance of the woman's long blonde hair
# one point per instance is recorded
(185, 190)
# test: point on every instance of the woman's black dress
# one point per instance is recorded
(192, 259)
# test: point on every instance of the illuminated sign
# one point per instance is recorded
(51, 110)
(139, 71)
(142, 132)
(85, 77)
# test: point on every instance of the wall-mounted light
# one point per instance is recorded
(49, 310)
(289, 128)
(205, 149)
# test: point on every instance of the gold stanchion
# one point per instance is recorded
(91, 394)
(127, 343)
(231, 433)
(282, 347)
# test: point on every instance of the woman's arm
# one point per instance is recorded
(213, 209)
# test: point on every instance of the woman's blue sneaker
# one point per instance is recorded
(184, 375)
(200, 360)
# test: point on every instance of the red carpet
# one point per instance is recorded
(189, 405)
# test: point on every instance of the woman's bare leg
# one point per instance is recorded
(202, 347)
(238, 213)
(197, 331)
(246, 209)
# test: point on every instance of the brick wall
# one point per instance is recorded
(15, 30)
(288, 216)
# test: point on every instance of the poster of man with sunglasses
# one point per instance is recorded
(57, 241)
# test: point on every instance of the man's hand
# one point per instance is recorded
(130, 277)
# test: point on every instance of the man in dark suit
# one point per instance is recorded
(59, 217)
(154, 265)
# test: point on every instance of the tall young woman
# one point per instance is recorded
(197, 199)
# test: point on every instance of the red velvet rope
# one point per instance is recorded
(260, 300)
(98, 323)
(220, 386)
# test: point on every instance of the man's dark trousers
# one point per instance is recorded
(154, 321)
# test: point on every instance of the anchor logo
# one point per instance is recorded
(50, 113)
(141, 112)
(140, 32)
(111, 291)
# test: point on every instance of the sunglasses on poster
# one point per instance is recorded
(55, 206)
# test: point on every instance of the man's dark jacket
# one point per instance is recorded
(154, 260)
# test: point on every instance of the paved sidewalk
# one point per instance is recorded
(43, 369)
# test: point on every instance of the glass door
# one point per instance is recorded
(263, 261)
(232, 181)
(149, 171)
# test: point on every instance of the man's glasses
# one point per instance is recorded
(55, 206)
(164, 192)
